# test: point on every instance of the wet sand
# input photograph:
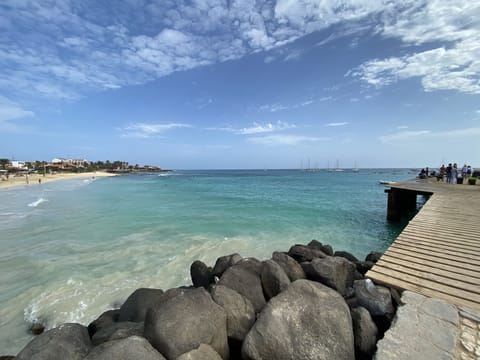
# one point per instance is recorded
(33, 179)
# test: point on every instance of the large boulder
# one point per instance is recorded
(315, 244)
(240, 311)
(303, 253)
(244, 279)
(117, 331)
(183, 320)
(346, 255)
(224, 262)
(201, 274)
(335, 272)
(67, 341)
(365, 333)
(204, 352)
(291, 267)
(306, 321)
(137, 304)
(274, 279)
(373, 298)
(133, 347)
(105, 320)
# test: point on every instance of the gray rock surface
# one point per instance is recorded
(67, 341)
(372, 298)
(346, 255)
(137, 304)
(327, 249)
(365, 333)
(240, 311)
(185, 319)
(203, 352)
(291, 267)
(306, 321)
(244, 279)
(274, 279)
(105, 320)
(133, 347)
(224, 262)
(201, 275)
(117, 331)
(424, 328)
(303, 253)
(335, 272)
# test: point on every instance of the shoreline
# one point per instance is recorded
(33, 179)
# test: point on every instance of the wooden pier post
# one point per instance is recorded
(400, 202)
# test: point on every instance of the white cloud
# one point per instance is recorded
(453, 66)
(402, 127)
(10, 110)
(144, 130)
(403, 136)
(278, 139)
(86, 52)
(266, 128)
(333, 124)
(272, 108)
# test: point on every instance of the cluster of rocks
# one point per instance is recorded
(307, 303)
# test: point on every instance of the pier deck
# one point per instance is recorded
(437, 254)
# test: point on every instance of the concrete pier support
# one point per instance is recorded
(400, 202)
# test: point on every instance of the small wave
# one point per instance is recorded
(37, 202)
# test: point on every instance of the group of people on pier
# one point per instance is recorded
(451, 173)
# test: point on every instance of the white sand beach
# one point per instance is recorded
(35, 179)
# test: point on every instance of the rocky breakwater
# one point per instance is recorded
(307, 303)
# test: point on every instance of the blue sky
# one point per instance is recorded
(241, 84)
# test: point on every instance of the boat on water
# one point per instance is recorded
(385, 182)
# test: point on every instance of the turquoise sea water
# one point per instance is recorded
(73, 249)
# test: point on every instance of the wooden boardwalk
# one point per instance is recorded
(438, 252)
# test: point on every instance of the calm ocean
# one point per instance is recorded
(73, 249)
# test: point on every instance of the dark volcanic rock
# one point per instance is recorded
(274, 279)
(377, 300)
(240, 311)
(201, 274)
(185, 319)
(306, 321)
(105, 320)
(374, 256)
(315, 244)
(137, 304)
(372, 298)
(303, 253)
(37, 328)
(365, 333)
(291, 267)
(364, 266)
(335, 272)
(68, 341)
(133, 347)
(243, 278)
(224, 262)
(204, 352)
(346, 255)
(117, 331)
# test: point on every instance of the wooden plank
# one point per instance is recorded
(446, 271)
(415, 255)
(426, 274)
(404, 285)
(426, 250)
(433, 285)
(467, 252)
(437, 252)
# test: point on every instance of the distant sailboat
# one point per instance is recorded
(355, 168)
(337, 167)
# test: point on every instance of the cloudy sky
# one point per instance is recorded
(241, 84)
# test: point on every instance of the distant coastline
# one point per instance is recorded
(39, 179)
